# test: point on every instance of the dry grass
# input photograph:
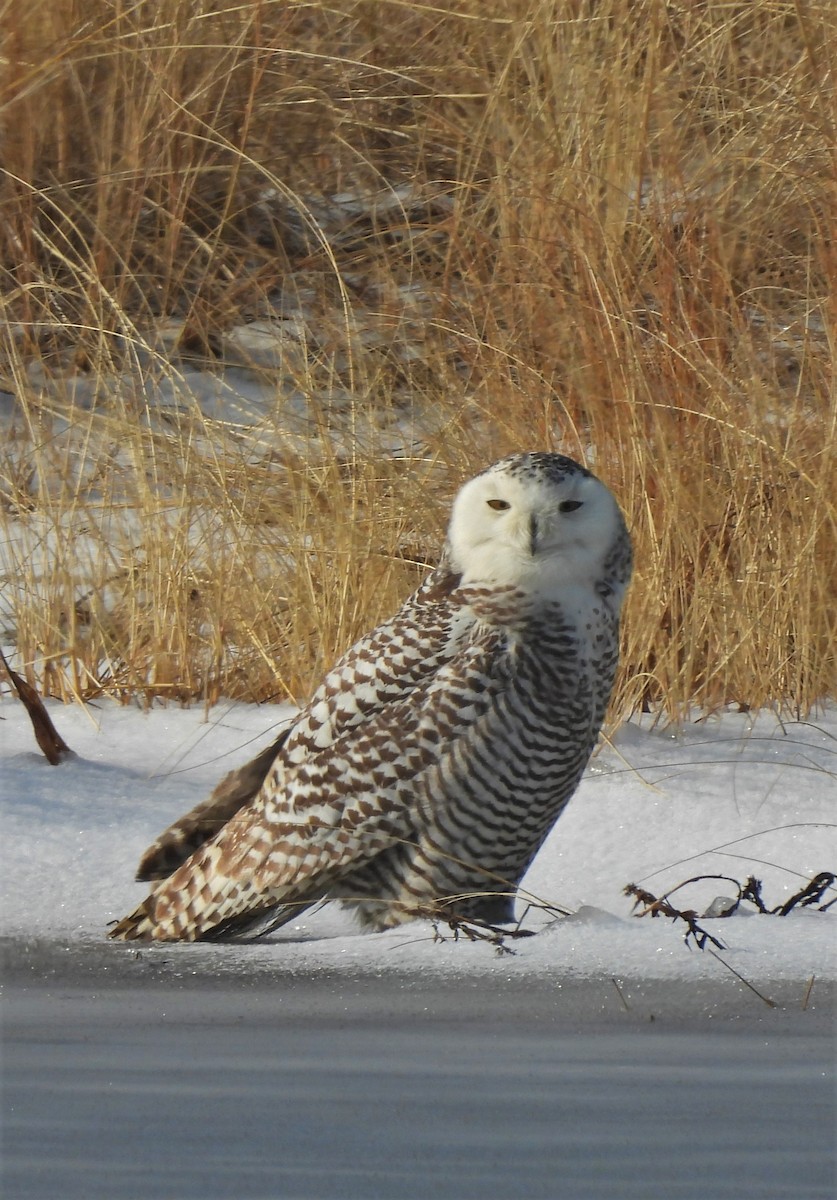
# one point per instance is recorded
(597, 227)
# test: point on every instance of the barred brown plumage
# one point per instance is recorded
(434, 758)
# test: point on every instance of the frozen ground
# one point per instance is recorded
(733, 795)
(603, 1059)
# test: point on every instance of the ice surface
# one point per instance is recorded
(226, 1096)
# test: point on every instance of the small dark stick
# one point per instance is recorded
(46, 735)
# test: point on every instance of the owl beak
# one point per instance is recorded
(533, 535)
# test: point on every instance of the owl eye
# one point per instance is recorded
(499, 505)
(569, 505)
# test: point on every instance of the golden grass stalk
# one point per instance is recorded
(605, 229)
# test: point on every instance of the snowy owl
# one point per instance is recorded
(434, 758)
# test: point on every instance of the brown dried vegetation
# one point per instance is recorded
(602, 227)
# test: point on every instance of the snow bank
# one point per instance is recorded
(733, 795)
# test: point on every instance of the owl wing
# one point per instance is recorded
(385, 666)
(317, 820)
(381, 668)
(177, 843)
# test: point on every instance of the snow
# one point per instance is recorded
(733, 795)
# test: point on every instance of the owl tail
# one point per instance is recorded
(138, 926)
(143, 926)
(199, 902)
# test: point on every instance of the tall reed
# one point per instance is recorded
(602, 228)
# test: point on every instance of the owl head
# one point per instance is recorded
(540, 522)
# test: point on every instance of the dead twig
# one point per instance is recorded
(770, 1003)
(474, 930)
(46, 735)
(620, 993)
(812, 893)
(656, 906)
